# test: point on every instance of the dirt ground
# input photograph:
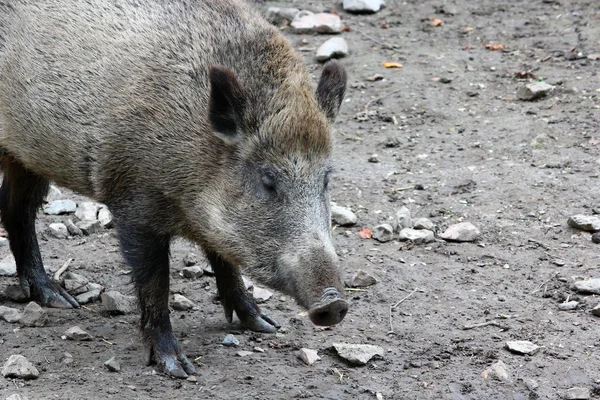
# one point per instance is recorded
(515, 169)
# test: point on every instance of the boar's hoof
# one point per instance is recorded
(260, 323)
(176, 365)
(47, 292)
(330, 313)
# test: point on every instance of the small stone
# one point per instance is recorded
(75, 284)
(530, 384)
(308, 356)
(276, 15)
(208, 271)
(19, 367)
(66, 358)
(578, 393)
(522, 347)
(373, 159)
(423, 223)
(8, 266)
(181, 303)
(498, 371)
(73, 229)
(116, 303)
(363, 6)
(88, 297)
(244, 353)
(568, 306)
(87, 211)
(89, 227)
(113, 365)
(191, 378)
(230, 341)
(402, 219)
(248, 284)
(462, 232)
(585, 222)
(416, 235)
(596, 238)
(9, 314)
(16, 396)
(58, 231)
(333, 48)
(316, 23)
(259, 349)
(361, 279)
(358, 353)
(194, 272)
(588, 286)
(383, 233)
(54, 193)
(15, 293)
(596, 311)
(76, 333)
(343, 216)
(261, 295)
(190, 259)
(534, 90)
(105, 217)
(34, 315)
(58, 207)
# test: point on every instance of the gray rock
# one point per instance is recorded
(75, 284)
(34, 315)
(105, 217)
(88, 297)
(54, 193)
(596, 311)
(261, 295)
(530, 384)
(343, 216)
(333, 48)
(8, 266)
(276, 15)
(534, 90)
(374, 158)
(9, 314)
(58, 231)
(230, 341)
(73, 229)
(19, 367)
(117, 303)
(181, 303)
(87, 211)
(522, 347)
(208, 271)
(588, 286)
(568, 306)
(402, 219)
(416, 235)
(15, 293)
(89, 227)
(596, 238)
(194, 272)
(423, 223)
(578, 393)
(190, 259)
(113, 365)
(248, 284)
(316, 23)
(308, 356)
(363, 6)
(16, 396)
(585, 222)
(462, 232)
(244, 353)
(58, 207)
(76, 333)
(361, 279)
(498, 371)
(358, 353)
(383, 233)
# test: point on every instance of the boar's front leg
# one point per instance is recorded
(235, 297)
(147, 253)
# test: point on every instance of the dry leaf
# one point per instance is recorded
(346, 29)
(468, 47)
(437, 22)
(392, 64)
(366, 233)
(493, 47)
(468, 29)
(384, 26)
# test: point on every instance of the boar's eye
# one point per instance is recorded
(268, 180)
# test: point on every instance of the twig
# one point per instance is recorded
(62, 269)
(356, 290)
(370, 38)
(544, 246)
(400, 189)
(544, 284)
(370, 102)
(394, 306)
(482, 324)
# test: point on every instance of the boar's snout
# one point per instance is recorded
(330, 310)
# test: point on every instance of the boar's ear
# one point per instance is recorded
(226, 104)
(331, 88)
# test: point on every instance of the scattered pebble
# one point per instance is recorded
(588, 286)
(423, 223)
(75, 284)
(190, 259)
(8, 266)
(261, 295)
(498, 371)
(461, 232)
(58, 207)
(361, 279)
(181, 303)
(333, 48)
(208, 271)
(259, 349)
(230, 341)
(596, 310)
(522, 347)
(15, 293)
(534, 90)
(113, 365)
(373, 159)
(307, 22)
(248, 284)
(343, 216)
(58, 231)
(383, 233)
(244, 353)
(16, 396)
(194, 272)
(73, 229)
(9, 314)
(568, 306)
(89, 227)
(276, 15)
(117, 303)
(87, 211)
(596, 238)
(358, 353)
(402, 219)
(308, 356)
(88, 297)
(530, 384)
(585, 222)
(363, 6)
(66, 358)
(33, 315)
(19, 367)
(416, 235)
(76, 333)
(578, 393)
(105, 217)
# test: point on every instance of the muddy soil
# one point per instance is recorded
(448, 124)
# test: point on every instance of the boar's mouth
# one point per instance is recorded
(330, 310)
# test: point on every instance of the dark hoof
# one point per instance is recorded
(260, 323)
(176, 365)
(48, 293)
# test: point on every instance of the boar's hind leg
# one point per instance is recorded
(235, 297)
(147, 253)
(21, 194)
